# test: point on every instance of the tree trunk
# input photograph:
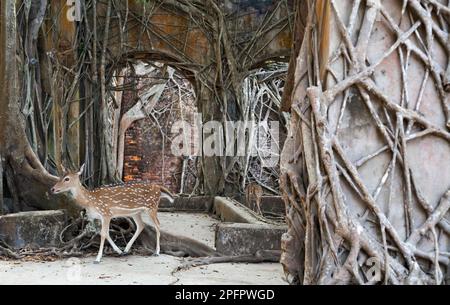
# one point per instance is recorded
(31, 179)
(2, 208)
(211, 170)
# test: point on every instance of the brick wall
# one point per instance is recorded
(144, 158)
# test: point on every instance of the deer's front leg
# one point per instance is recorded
(258, 205)
(112, 243)
(139, 228)
(154, 217)
(103, 233)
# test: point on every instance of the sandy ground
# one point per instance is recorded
(145, 270)
(136, 270)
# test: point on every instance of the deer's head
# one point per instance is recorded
(70, 181)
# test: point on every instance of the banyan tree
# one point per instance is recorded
(364, 169)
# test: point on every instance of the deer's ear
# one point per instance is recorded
(80, 172)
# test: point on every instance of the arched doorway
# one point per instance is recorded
(160, 97)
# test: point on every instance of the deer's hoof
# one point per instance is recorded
(96, 262)
(155, 254)
(125, 253)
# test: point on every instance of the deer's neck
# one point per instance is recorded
(80, 195)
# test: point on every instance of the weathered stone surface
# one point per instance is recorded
(32, 229)
(273, 204)
(230, 211)
(8, 205)
(247, 238)
(186, 204)
(269, 204)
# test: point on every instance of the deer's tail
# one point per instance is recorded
(167, 194)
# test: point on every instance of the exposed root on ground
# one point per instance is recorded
(261, 256)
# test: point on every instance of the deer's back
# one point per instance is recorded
(127, 196)
(254, 190)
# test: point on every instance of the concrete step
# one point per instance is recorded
(32, 229)
(247, 238)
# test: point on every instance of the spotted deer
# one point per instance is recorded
(136, 200)
(253, 193)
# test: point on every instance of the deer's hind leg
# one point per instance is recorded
(139, 227)
(155, 220)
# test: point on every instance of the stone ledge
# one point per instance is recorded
(230, 211)
(34, 229)
(186, 204)
(247, 238)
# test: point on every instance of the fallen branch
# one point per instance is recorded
(261, 256)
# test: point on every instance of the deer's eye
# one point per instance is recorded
(66, 179)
